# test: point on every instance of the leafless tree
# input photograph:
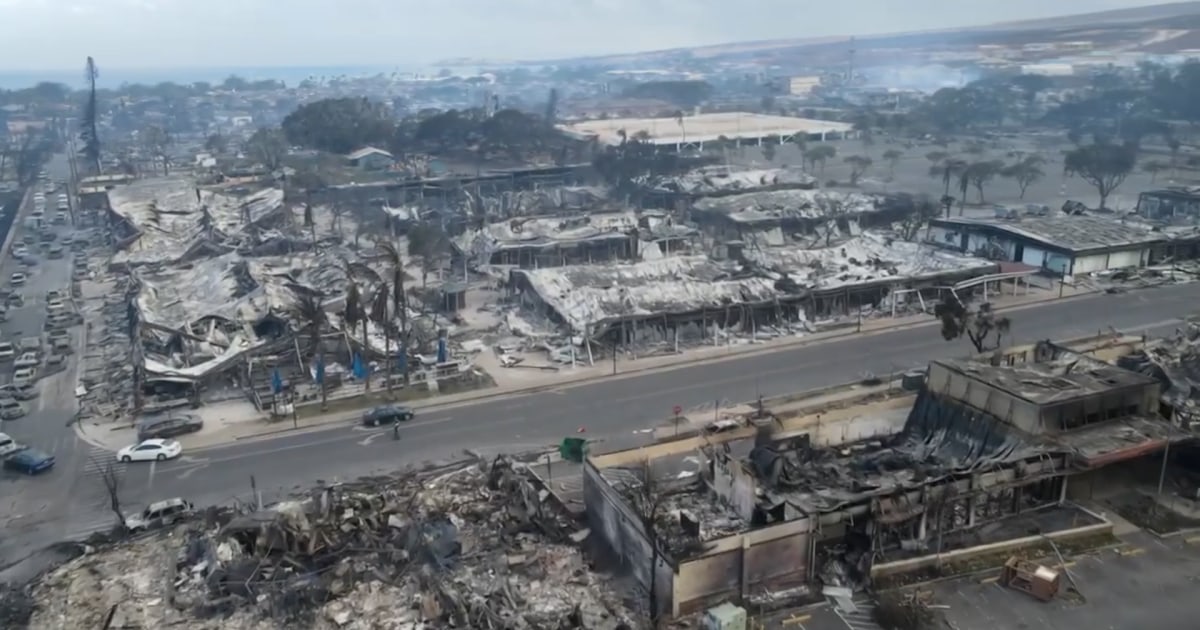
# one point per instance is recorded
(647, 502)
(110, 477)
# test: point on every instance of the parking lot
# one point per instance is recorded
(1145, 583)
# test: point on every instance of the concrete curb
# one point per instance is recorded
(470, 398)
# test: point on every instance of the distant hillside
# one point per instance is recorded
(1129, 29)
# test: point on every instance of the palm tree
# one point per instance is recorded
(379, 314)
(399, 299)
(310, 314)
(355, 315)
(309, 222)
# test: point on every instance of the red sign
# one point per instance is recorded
(677, 409)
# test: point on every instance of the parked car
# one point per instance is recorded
(55, 251)
(10, 409)
(150, 450)
(17, 279)
(159, 514)
(168, 426)
(29, 461)
(27, 391)
(387, 414)
(8, 446)
(27, 360)
(7, 351)
(24, 376)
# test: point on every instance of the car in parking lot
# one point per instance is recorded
(27, 391)
(29, 461)
(8, 446)
(159, 514)
(17, 279)
(27, 360)
(20, 251)
(387, 414)
(55, 251)
(7, 351)
(10, 409)
(168, 426)
(24, 376)
(150, 450)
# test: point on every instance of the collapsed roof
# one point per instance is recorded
(170, 219)
(546, 232)
(869, 257)
(775, 206)
(461, 546)
(721, 180)
(586, 296)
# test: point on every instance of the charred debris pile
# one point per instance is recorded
(473, 545)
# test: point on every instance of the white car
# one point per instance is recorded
(150, 450)
(27, 360)
(7, 351)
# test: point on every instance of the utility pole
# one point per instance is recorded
(1162, 474)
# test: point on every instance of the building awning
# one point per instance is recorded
(1119, 440)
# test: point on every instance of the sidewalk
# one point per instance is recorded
(226, 426)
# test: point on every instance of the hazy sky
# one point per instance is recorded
(144, 34)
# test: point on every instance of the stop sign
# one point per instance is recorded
(677, 409)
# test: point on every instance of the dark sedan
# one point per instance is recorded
(161, 427)
(29, 462)
(387, 414)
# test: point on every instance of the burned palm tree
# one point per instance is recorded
(399, 298)
(355, 315)
(310, 315)
(380, 315)
(309, 221)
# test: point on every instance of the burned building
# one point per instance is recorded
(779, 213)
(586, 238)
(760, 292)
(843, 496)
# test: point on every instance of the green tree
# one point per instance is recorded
(821, 154)
(1025, 172)
(769, 151)
(947, 169)
(216, 144)
(859, 164)
(1101, 164)
(982, 173)
(268, 146)
(339, 125)
(892, 157)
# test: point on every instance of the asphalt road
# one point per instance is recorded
(613, 409)
(31, 510)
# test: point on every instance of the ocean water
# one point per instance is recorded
(115, 77)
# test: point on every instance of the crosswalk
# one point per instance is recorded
(100, 461)
(858, 615)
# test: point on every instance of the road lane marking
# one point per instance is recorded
(150, 480)
(371, 438)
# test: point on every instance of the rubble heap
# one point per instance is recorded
(465, 546)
